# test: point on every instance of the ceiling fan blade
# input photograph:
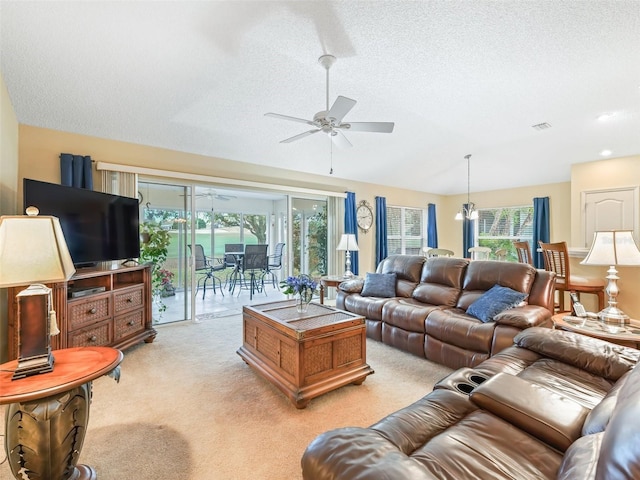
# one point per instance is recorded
(378, 127)
(287, 117)
(339, 139)
(340, 108)
(300, 135)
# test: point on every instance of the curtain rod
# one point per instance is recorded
(209, 179)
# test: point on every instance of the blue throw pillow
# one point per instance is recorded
(493, 301)
(379, 285)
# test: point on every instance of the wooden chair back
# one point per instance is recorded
(524, 252)
(556, 259)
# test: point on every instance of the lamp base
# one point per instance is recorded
(33, 366)
(613, 315)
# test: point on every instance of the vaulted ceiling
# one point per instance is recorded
(456, 77)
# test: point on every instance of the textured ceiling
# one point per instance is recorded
(456, 77)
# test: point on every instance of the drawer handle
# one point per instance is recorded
(131, 323)
(92, 338)
(129, 300)
(93, 310)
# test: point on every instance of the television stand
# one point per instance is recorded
(110, 307)
(130, 261)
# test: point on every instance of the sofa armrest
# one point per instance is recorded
(595, 356)
(361, 453)
(547, 415)
(525, 317)
(352, 286)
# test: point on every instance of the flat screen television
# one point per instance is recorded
(98, 227)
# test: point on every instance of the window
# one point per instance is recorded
(496, 228)
(405, 232)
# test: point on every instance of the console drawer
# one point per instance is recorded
(94, 336)
(128, 299)
(86, 312)
(128, 324)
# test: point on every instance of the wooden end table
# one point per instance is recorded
(331, 281)
(304, 354)
(48, 413)
(625, 335)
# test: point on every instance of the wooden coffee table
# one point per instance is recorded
(304, 354)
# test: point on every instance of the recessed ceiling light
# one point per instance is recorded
(603, 117)
(606, 153)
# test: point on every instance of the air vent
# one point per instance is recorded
(541, 126)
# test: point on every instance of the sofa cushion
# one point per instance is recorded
(407, 269)
(495, 300)
(455, 327)
(598, 418)
(441, 281)
(568, 380)
(407, 314)
(379, 285)
(353, 285)
(581, 458)
(481, 275)
(596, 356)
(620, 452)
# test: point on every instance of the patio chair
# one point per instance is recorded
(207, 268)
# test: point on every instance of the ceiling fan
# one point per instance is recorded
(329, 121)
(214, 196)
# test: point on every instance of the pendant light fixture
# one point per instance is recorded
(469, 211)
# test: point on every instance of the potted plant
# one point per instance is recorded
(154, 249)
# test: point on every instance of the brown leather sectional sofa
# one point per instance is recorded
(427, 316)
(556, 405)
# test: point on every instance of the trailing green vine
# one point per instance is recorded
(154, 248)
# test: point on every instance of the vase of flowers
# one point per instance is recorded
(303, 287)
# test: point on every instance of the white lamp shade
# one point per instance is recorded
(348, 242)
(33, 249)
(613, 248)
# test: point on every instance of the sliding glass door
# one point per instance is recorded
(309, 236)
(165, 222)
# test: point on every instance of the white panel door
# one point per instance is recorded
(610, 210)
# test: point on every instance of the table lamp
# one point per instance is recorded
(33, 249)
(613, 248)
(348, 244)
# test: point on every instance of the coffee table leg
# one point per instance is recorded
(44, 437)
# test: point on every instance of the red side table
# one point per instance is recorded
(48, 413)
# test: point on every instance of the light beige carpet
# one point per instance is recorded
(188, 407)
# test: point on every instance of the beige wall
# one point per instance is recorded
(8, 186)
(559, 202)
(40, 150)
(599, 175)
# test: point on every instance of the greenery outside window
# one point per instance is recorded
(405, 230)
(497, 228)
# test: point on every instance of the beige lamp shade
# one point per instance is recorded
(613, 248)
(348, 242)
(33, 249)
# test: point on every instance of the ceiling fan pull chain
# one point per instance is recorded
(331, 154)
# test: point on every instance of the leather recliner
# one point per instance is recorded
(428, 314)
(556, 405)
